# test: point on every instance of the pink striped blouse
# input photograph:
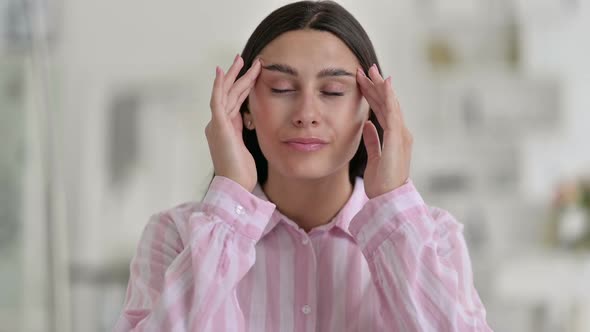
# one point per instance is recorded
(235, 263)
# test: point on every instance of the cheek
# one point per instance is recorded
(364, 107)
(261, 99)
(254, 99)
(264, 113)
(259, 104)
(356, 113)
(351, 124)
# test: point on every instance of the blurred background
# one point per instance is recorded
(103, 106)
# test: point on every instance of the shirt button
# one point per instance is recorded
(306, 309)
(240, 210)
(305, 241)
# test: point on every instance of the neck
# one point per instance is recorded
(309, 202)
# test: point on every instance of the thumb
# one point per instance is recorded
(371, 139)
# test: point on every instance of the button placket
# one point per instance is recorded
(304, 247)
(305, 239)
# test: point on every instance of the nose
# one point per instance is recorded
(306, 113)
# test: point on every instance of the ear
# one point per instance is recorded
(248, 120)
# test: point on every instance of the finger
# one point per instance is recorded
(244, 83)
(367, 87)
(216, 93)
(232, 73)
(251, 74)
(375, 76)
(389, 97)
(393, 100)
(391, 111)
(371, 140)
(389, 114)
(369, 92)
(240, 101)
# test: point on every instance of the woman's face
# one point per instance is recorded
(306, 107)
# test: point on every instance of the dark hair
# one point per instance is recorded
(323, 16)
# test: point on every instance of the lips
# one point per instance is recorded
(306, 144)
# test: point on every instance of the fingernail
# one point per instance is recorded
(237, 56)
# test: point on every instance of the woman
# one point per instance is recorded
(311, 222)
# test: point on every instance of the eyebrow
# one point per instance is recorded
(328, 72)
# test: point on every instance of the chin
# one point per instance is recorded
(308, 165)
(306, 169)
(306, 175)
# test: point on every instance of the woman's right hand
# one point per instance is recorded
(231, 158)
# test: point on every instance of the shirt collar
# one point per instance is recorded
(342, 219)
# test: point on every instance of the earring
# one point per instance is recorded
(249, 124)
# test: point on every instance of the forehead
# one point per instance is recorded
(309, 50)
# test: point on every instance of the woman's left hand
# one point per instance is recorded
(387, 168)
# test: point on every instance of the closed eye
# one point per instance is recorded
(280, 90)
(328, 93)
